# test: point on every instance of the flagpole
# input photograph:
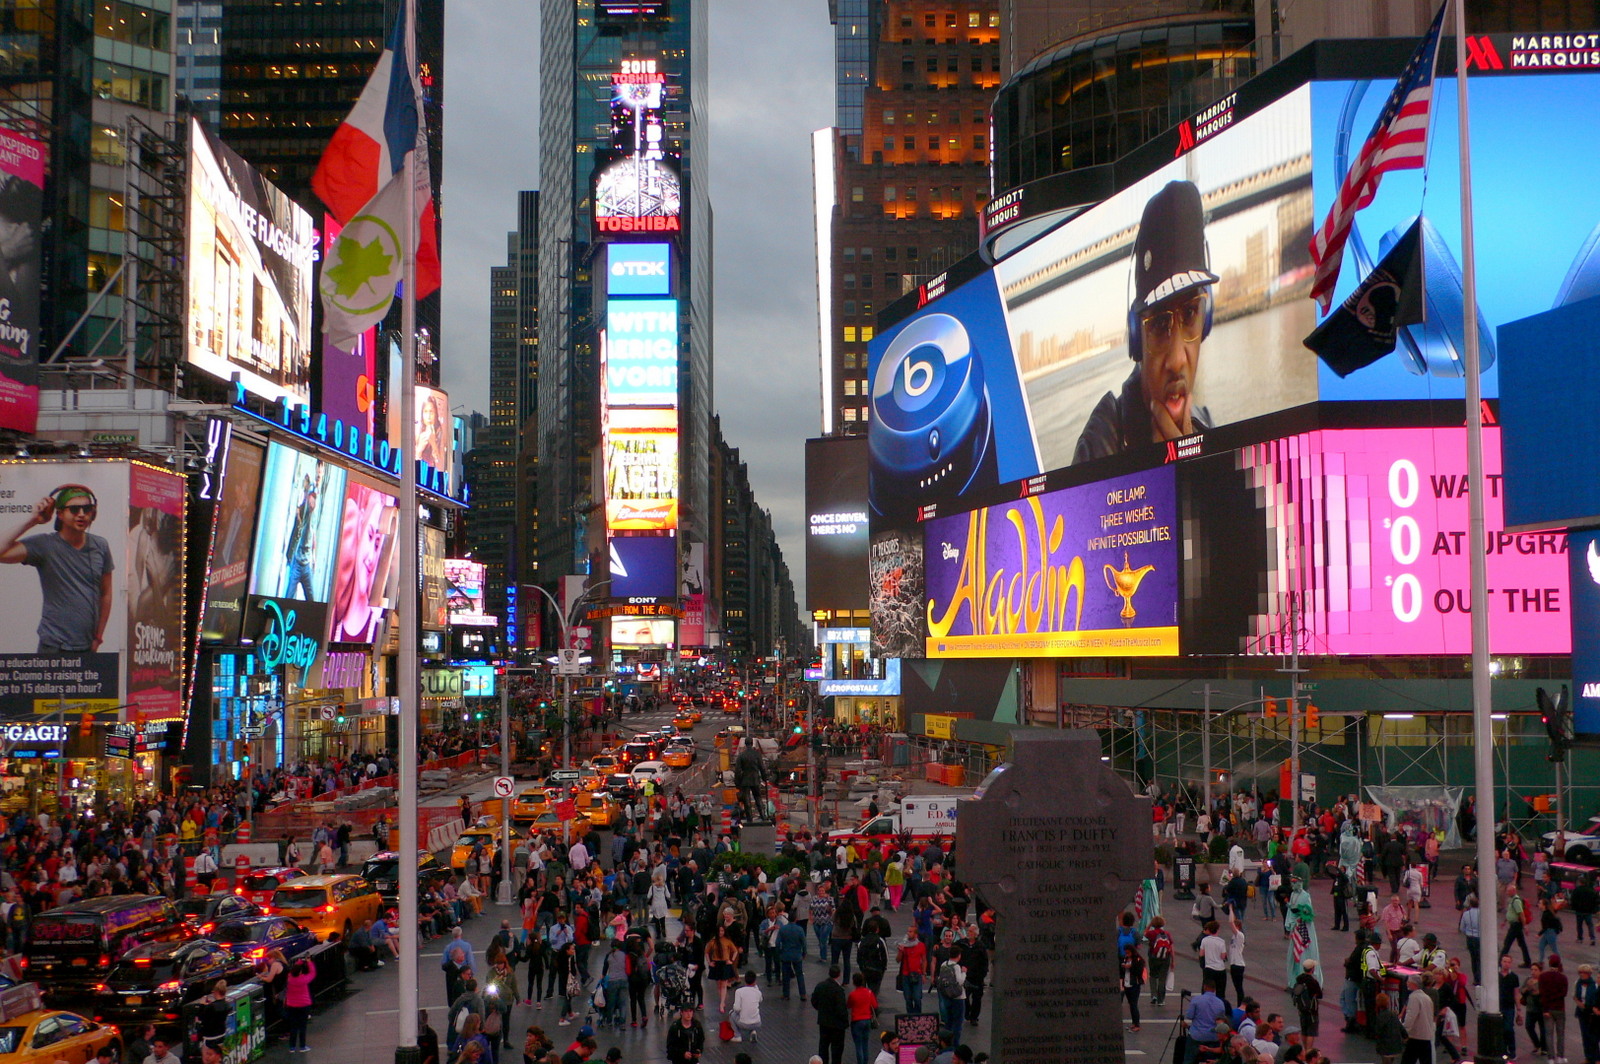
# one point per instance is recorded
(1491, 1029)
(407, 1051)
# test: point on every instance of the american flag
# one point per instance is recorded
(1398, 141)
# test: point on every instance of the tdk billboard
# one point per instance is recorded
(638, 270)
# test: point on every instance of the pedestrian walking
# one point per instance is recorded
(1133, 969)
(863, 1005)
(1516, 917)
(911, 957)
(832, 1005)
(1306, 994)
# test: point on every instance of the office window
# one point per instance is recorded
(858, 194)
(867, 332)
(977, 64)
(866, 254)
(994, 20)
(911, 194)
(952, 65)
(849, 334)
(908, 65)
(849, 386)
(849, 281)
(849, 308)
(933, 143)
(889, 193)
(888, 118)
(930, 21)
(974, 18)
(977, 142)
(933, 118)
(933, 64)
(849, 413)
(955, 144)
(849, 254)
(891, 254)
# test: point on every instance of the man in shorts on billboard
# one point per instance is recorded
(1169, 318)
(302, 541)
(75, 570)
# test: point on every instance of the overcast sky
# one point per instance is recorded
(771, 86)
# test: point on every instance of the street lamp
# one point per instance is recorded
(1205, 742)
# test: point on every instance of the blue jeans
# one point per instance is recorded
(861, 1034)
(1584, 920)
(1350, 1002)
(793, 968)
(824, 933)
(953, 1014)
(616, 1002)
(1547, 941)
(298, 578)
(911, 987)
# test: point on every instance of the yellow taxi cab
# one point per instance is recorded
(679, 753)
(33, 1034)
(600, 809)
(530, 803)
(489, 836)
(548, 821)
(327, 905)
(730, 737)
(603, 764)
(683, 720)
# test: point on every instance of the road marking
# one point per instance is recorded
(1125, 1052)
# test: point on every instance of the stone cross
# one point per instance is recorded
(1058, 844)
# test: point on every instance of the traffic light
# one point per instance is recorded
(1556, 713)
(338, 716)
(1312, 716)
(799, 729)
(1269, 708)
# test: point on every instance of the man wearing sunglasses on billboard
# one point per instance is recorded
(1169, 317)
(74, 566)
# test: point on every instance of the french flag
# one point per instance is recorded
(369, 149)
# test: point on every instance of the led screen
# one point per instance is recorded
(1175, 306)
(692, 627)
(22, 174)
(637, 193)
(638, 269)
(1584, 551)
(435, 587)
(1356, 539)
(1085, 571)
(250, 260)
(465, 581)
(641, 470)
(836, 523)
(223, 618)
(297, 532)
(644, 567)
(435, 433)
(641, 631)
(361, 587)
(641, 352)
(1535, 218)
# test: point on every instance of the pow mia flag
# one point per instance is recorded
(1364, 327)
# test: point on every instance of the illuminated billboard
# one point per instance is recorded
(368, 537)
(641, 352)
(631, 9)
(298, 526)
(22, 172)
(642, 631)
(638, 269)
(464, 581)
(692, 628)
(641, 470)
(1085, 571)
(643, 567)
(1173, 307)
(636, 194)
(435, 432)
(250, 253)
(1357, 540)
(435, 609)
(222, 620)
(836, 523)
(92, 577)
(1584, 569)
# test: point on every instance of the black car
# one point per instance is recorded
(252, 937)
(208, 910)
(382, 870)
(152, 983)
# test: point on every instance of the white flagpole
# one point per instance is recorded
(1490, 1030)
(407, 1051)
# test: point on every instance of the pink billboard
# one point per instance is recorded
(1369, 528)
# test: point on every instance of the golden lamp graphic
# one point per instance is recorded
(1124, 583)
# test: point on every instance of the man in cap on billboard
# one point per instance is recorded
(1169, 316)
(74, 566)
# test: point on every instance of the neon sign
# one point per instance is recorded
(282, 645)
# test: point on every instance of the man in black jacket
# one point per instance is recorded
(686, 1039)
(833, 1017)
(975, 959)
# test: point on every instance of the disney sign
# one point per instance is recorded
(290, 633)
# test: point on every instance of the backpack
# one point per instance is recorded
(1302, 997)
(1161, 946)
(948, 981)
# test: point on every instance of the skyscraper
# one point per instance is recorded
(902, 176)
(583, 122)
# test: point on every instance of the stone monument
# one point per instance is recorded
(1058, 844)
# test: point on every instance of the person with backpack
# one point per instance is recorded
(1159, 941)
(950, 981)
(872, 959)
(1516, 919)
(1306, 994)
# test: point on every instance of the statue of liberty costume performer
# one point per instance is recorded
(1300, 924)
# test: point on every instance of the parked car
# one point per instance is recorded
(382, 870)
(259, 884)
(152, 983)
(44, 1036)
(252, 937)
(209, 910)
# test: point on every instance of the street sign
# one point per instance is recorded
(568, 664)
(503, 786)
